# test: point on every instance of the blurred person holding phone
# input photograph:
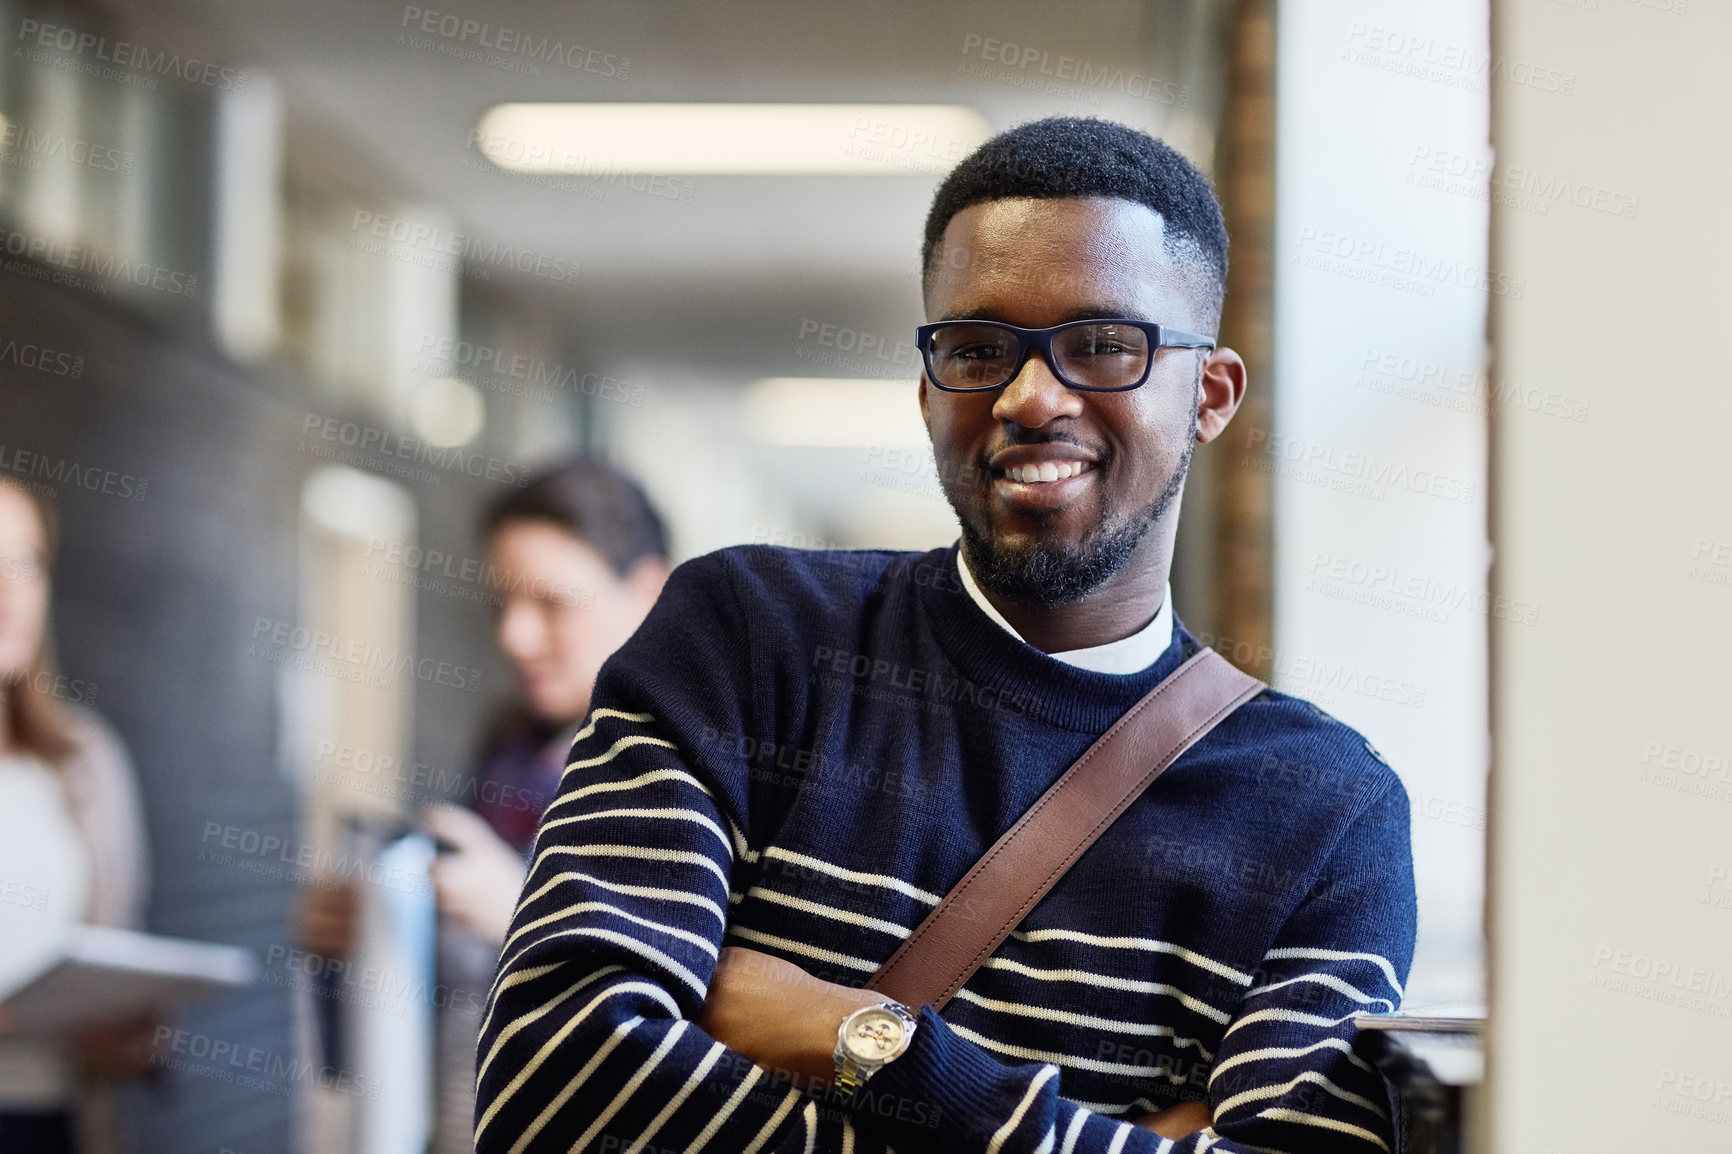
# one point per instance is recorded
(576, 558)
(72, 850)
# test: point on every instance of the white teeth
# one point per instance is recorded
(1046, 471)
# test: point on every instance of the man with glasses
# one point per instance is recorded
(800, 753)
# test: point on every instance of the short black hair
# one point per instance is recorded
(1065, 156)
(594, 502)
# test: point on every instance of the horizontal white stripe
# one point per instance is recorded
(654, 893)
(1264, 1093)
(598, 714)
(614, 751)
(1330, 980)
(534, 1015)
(572, 1086)
(1095, 1065)
(1144, 1105)
(1106, 981)
(830, 912)
(637, 947)
(716, 1050)
(794, 947)
(734, 1099)
(666, 813)
(503, 982)
(1296, 1017)
(637, 1079)
(1377, 960)
(642, 853)
(824, 867)
(703, 944)
(1325, 1123)
(1151, 944)
(1046, 1075)
(649, 777)
(1269, 1052)
(530, 1066)
(1043, 1013)
(775, 1120)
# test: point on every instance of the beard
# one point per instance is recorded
(1049, 572)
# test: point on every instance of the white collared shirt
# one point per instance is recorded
(1126, 655)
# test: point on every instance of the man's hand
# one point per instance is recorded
(777, 1014)
(1177, 1121)
(479, 880)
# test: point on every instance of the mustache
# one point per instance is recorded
(1016, 435)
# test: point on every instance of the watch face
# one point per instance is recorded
(875, 1035)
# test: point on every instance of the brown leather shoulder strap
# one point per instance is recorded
(995, 896)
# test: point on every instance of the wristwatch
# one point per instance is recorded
(869, 1039)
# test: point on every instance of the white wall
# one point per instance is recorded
(1379, 445)
(1612, 847)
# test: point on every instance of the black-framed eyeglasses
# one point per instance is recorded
(1105, 355)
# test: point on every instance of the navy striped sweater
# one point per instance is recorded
(801, 752)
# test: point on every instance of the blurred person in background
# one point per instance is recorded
(72, 849)
(577, 558)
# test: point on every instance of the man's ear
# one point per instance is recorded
(1223, 387)
(925, 408)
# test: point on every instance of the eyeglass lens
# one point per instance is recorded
(1095, 356)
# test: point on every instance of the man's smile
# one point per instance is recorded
(1044, 476)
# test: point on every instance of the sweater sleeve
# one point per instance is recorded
(588, 1040)
(1285, 1078)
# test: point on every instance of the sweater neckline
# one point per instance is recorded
(1065, 695)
